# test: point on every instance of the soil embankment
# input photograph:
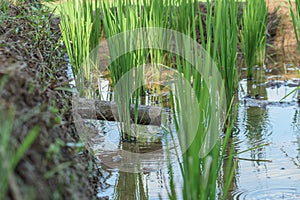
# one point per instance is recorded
(56, 166)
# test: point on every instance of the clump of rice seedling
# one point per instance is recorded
(203, 150)
(253, 34)
(119, 17)
(225, 43)
(198, 108)
(81, 30)
(198, 128)
(218, 37)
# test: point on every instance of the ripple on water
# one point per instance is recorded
(268, 194)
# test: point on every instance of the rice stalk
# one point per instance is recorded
(81, 30)
(195, 106)
(119, 18)
(225, 28)
(253, 34)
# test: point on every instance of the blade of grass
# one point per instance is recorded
(27, 142)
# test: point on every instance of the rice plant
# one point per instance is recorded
(253, 34)
(159, 13)
(119, 18)
(199, 182)
(225, 28)
(295, 13)
(81, 30)
(218, 35)
(198, 110)
(198, 106)
(198, 121)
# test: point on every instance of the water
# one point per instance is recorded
(267, 132)
(271, 171)
(148, 160)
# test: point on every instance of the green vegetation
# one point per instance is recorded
(198, 182)
(199, 133)
(295, 13)
(35, 112)
(224, 51)
(204, 90)
(253, 34)
(118, 18)
(202, 96)
(3, 6)
(80, 27)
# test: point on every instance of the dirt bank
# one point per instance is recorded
(56, 166)
(284, 48)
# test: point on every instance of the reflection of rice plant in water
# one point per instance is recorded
(295, 13)
(253, 34)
